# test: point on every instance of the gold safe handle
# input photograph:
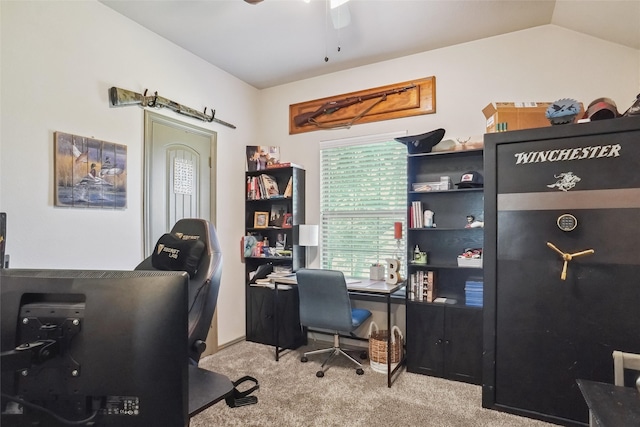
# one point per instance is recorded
(568, 257)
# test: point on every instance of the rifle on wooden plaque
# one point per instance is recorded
(333, 106)
(122, 97)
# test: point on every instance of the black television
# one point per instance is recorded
(94, 348)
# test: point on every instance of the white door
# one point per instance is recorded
(178, 182)
(178, 175)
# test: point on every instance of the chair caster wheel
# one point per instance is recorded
(304, 359)
(359, 371)
(319, 374)
(364, 355)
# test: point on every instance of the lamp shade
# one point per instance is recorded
(307, 235)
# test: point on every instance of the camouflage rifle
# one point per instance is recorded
(122, 97)
(333, 106)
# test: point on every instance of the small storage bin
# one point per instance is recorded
(469, 262)
(422, 187)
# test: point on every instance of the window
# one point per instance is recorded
(363, 191)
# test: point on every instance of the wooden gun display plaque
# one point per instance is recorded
(411, 98)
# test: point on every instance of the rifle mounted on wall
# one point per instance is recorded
(122, 97)
(333, 106)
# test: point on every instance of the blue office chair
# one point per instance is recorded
(325, 304)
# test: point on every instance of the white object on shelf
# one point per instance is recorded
(469, 262)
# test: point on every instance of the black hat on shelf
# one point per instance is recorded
(471, 179)
(422, 143)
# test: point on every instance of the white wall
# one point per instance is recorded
(58, 60)
(540, 64)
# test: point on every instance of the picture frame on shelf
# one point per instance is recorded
(281, 241)
(260, 219)
(278, 212)
(287, 221)
(259, 156)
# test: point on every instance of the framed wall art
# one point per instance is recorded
(89, 173)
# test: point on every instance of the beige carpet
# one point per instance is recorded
(291, 395)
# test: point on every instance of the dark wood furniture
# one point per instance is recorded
(543, 329)
(610, 405)
(260, 311)
(445, 340)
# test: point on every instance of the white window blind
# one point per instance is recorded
(363, 192)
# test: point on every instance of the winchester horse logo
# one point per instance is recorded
(565, 181)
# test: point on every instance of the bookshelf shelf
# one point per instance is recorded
(433, 229)
(444, 339)
(442, 266)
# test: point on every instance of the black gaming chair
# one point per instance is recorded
(194, 248)
(204, 282)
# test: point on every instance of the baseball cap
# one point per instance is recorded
(471, 179)
(601, 109)
(422, 143)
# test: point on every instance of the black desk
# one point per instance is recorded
(206, 388)
(611, 405)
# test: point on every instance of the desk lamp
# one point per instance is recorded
(307, 237)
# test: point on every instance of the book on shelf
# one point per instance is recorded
(284, 165)
(288, 192)
(416, 215)
(262, 187)
(270, 186)
(423, 286)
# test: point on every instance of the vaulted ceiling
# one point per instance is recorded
(274, 42)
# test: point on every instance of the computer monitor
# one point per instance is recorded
(108, 347)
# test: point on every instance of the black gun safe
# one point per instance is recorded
(561, 264)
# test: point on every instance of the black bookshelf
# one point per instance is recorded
(444, 339)
(260, 301)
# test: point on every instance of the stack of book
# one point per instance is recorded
(423, 286)
(262, 187)
(416, 215)
(473, 292)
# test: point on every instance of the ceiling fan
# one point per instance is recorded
(253, 1)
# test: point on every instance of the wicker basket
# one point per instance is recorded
(378, 348)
